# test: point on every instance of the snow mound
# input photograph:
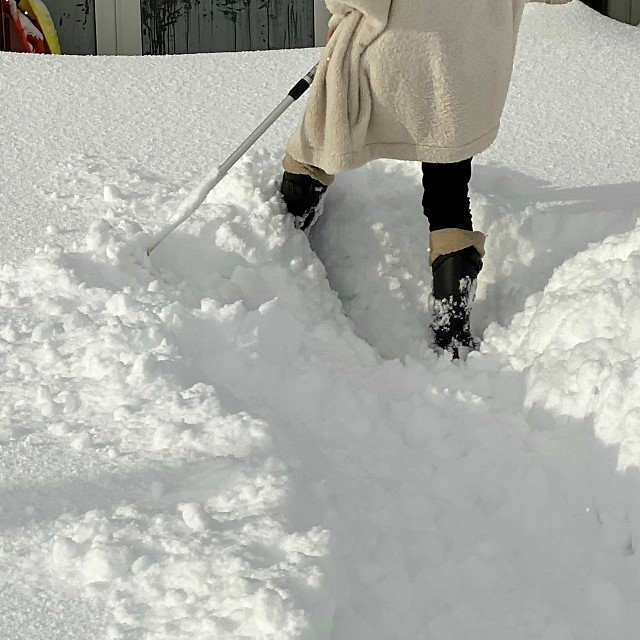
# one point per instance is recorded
(260, 470)
(115, 357)
(578, 341)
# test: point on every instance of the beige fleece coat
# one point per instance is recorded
(409, 79)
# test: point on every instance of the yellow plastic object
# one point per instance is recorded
(38, 10)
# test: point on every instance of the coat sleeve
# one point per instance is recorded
(375, 11)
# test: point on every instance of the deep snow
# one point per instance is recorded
(241, 438)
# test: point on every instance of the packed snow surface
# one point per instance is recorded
(248, 435)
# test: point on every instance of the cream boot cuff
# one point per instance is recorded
(448, 240)
(293, 166)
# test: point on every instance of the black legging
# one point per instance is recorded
(446, 194)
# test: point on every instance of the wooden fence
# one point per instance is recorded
(623, 10)
(198, 26)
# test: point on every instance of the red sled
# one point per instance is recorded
(17, 32)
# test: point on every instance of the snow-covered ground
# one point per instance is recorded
(244, 438)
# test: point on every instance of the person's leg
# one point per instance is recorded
(291, 165)
(302, 189)
(446, 205)
(456, 252)
(446, 194)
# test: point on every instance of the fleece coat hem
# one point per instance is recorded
(409, 80)
(334, 162)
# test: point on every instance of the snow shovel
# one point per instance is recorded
(19, 33)
(38, 12)
(198, 195)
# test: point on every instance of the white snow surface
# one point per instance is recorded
(248, 435)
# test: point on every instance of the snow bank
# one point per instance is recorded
(99, 352)
(287, 480)
(578, 341)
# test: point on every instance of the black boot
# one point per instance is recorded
(302, 195)
(454, 288)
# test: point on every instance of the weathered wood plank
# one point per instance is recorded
(302, 21)
(258, 16)
(620, 10)
(220, 35)
(212, 28)
(276, 31)
(76, 25)
(242, 26)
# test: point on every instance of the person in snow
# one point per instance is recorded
(411, 80)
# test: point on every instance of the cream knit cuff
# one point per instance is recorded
(448, 240)
(290, 164)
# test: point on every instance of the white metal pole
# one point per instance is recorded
(198, 195)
